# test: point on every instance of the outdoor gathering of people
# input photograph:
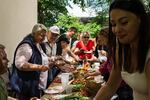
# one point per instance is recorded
(120, 54)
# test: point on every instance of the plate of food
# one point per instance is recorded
(59, 87)
(60, 96)
(87, 51)
(51, 91)
(54, 90)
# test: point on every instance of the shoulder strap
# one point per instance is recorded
(43, 47)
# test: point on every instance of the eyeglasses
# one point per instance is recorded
(42, 33)
(85, 37)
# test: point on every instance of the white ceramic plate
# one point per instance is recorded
(87, 52)
(59, 96)
(59, 87)
(51, 91)
(54, 89)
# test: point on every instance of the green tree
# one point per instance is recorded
(101, 7)
(50, 10)
(66, 22)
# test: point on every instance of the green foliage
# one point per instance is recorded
(81, 3)
(49, 10)
(101, 7)
(66, 22)
(147, 5)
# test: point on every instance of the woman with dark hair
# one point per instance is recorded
(67, 54)
(68, 57)
(101, 49)
(129, 35)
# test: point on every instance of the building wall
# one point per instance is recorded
(17, 18)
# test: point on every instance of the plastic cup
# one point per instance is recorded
(65, 79)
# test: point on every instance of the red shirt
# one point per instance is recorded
(87, 47)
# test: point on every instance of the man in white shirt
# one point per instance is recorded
(52, 35)
(71, 31)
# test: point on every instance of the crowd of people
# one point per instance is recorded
(122, 51)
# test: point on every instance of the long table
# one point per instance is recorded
(54, 84)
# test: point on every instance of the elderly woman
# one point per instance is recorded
(31, 65)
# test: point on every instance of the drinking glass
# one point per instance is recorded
(65, 79)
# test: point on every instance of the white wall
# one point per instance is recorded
(17, 18)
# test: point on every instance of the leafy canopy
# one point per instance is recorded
(53, 11)
(65, 22)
